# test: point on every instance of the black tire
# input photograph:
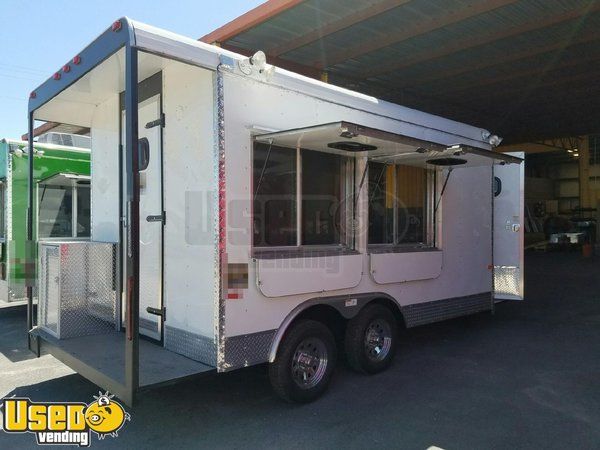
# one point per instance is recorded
(371, 339)
(297, 357)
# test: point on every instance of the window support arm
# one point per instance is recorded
(437, 205)
(362, 182)
(264, 168)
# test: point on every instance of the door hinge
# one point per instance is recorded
(158, 218)
(157, 122)
(162, 312)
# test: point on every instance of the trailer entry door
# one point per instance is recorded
(508, 230)
(151, 215)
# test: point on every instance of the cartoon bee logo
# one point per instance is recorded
(105, 416)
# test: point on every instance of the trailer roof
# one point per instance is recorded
(525, 68)
(170, 45)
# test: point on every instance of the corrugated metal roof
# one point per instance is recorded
(493, 63)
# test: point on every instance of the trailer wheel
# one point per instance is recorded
(305, 362)
(371, 339)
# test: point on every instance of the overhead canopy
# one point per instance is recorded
(350, 139)
(526, 69)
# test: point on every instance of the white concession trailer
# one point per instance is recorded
(243, 214)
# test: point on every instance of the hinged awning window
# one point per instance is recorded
(350, 139)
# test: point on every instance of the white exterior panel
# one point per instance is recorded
(189, 181)
(104, 171)
(302, 275)
(405, 266)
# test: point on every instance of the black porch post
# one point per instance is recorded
(30, 264)
(131, 241)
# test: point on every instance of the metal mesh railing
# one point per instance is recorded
(77, 288)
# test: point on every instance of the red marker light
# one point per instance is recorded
(66, 68)
(56, 76)
(32, 94)
(116, 26)
(77, 60)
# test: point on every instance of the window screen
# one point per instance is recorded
(83, 211)
(321, 198)
(411, 192)
(275, 196)
(55, 212)
(278, 203)
(398, 204)
(381, 204)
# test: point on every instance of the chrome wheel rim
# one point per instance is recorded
(378, 340)
(309, 363)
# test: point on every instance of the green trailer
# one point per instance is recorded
(62, 190)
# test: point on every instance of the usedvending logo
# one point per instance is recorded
(70, 423)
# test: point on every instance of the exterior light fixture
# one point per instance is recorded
(494, 140)
(259, 59)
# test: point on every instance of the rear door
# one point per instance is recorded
(508, 201)
(151, 207)
(151, 220)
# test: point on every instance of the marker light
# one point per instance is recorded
(116, 26)
(66, 68)
(56, 76)
(77, 60)
(32, 94)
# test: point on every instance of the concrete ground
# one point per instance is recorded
(527, 377)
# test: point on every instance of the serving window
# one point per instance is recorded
(400, 205)
(301, 179)
(64, 207)
(299, 197)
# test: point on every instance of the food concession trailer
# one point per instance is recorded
(243, 214)
(62, 192)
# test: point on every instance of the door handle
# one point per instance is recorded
(157, 218)
(157, 122)
(162, 312)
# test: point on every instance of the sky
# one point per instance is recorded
(38, 37)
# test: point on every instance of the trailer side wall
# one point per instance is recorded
(465, 212)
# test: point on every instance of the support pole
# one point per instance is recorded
(585, 200)
(130, 250)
